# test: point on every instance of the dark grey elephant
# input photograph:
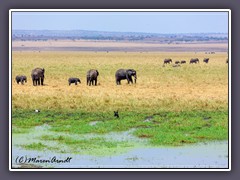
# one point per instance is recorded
(38, 76)
(73, 80)
(194, 60)
(167, 61)
(183, 62)
(125, 74)
(206, 60)
(177, 62)
(92, 75)
(21, 79)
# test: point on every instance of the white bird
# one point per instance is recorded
(37, 111)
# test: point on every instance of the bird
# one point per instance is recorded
(116, 114)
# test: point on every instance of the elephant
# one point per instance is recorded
(125, 74)
(167, 61)
(92, 75)
(183, 62)
(177, 62)
(38, 76)
(21, 79)
(194, 60)
(206, 60)
(73, 80)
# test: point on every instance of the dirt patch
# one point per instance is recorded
(109, 46)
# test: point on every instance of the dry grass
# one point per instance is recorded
(197, 86)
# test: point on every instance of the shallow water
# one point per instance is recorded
(140, 155)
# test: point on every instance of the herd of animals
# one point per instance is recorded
(193, 60)
(37, 74)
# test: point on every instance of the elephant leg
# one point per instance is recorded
(95, 81)
(75, 82)
(130, 79)
(69, 83)
(87, 80)
(42, 81)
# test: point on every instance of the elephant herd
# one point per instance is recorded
(37, 76)
(193, 60)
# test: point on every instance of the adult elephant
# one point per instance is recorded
(92, 75)
(167, 61)
(194, 60)
(125, 74)
(38, 76)
(206, 60)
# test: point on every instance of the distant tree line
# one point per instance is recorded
(52, 35)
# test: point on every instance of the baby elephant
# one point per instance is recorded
(21, 79)
(73, 80)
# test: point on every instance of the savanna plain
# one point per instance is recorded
(168, 106)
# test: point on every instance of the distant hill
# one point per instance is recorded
(43, 35)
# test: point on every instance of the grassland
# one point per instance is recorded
(186, 104)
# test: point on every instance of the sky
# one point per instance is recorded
(149, 22)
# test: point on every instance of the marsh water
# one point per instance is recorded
(141, 155)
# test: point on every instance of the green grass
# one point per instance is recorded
(35, 146)
(91, 146)
(186, 127)
(164, 128)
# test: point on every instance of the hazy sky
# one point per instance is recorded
(152, 22)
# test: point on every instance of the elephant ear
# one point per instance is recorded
(129, 72)
(97, 72)
(132, 72)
